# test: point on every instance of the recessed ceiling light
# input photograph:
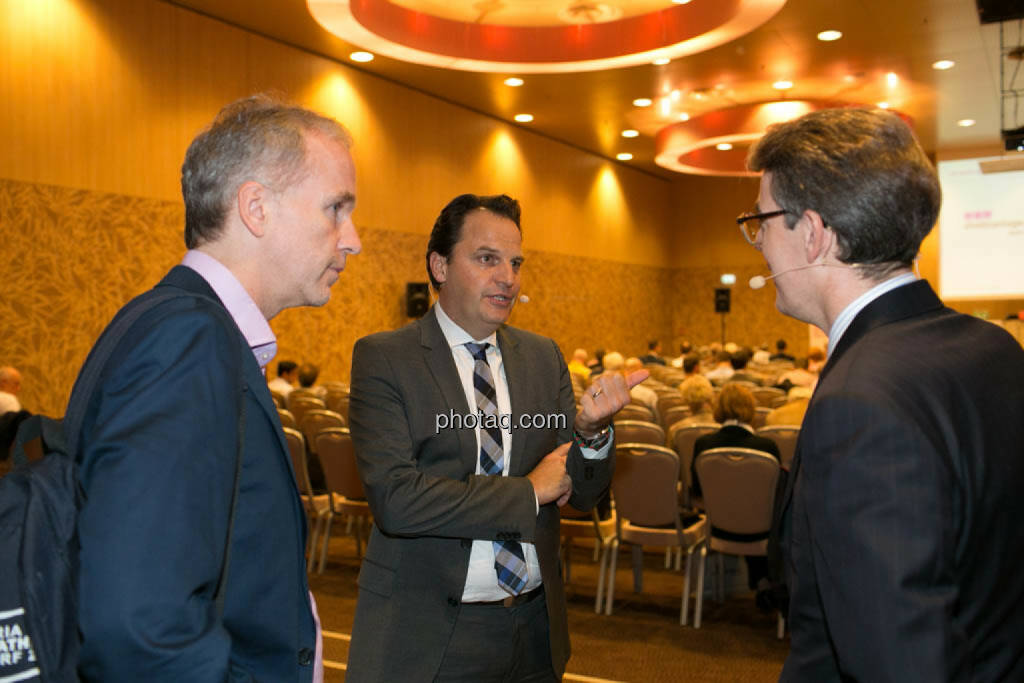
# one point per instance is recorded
(782, 85)
(513, 81)
(943, 64)
(966, 123)
(642, 102)
(830, 35)
(624, 156)
(891, 79)
(523, 118)
(661, 61)
(681, 2)
(882, 105)
(684, 116)
(630, 133)
(361, 56)
(724, 146)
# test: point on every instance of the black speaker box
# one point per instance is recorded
(722, 300)
(417, 299)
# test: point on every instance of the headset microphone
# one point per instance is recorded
(759, 281)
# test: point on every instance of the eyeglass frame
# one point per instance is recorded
(743, 218)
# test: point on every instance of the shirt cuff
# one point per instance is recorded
(602, 452)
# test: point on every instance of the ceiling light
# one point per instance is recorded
(361, 56)
(782, 85)
(882, 105)
(624, 156)
(681, 2)
(513, 82)
(523, 118)
(724, 146)
(943, 64)
(661, 61)
(630, 133)
(642, 102)
(684, 116)
(892, 80)
(830, 35)
(966, 123)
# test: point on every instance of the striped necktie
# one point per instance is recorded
(509, 561)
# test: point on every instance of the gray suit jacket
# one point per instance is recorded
(428, 503)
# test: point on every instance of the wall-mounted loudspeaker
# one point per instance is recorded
(417, 299)
(722, 300)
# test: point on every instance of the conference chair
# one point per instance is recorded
(647, 507)
(639, 431)
(739, 487)
(337, 400)
(587, 525)
(682, 442)
(279, 399)
(298, 406)
(760, 415)
(666, 402)
(316, 507)
(673, 415)
(301, 393)
(768, 397)
(287, 419)
(635, 411)
(315, 421)
(785, 437)
(345, 489)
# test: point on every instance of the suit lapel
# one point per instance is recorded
(516, 379)
(438, 358)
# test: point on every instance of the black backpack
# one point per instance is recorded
(39, 503)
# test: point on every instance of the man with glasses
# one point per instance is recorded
(899, 527)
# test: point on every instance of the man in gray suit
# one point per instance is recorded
(468, 440)
(901, 522)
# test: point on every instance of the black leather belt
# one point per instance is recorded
(510, 601)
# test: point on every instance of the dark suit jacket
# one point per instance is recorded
(158, 450)
(730, 436)
(428, 503)
(902, 524)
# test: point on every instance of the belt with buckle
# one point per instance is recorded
(510, 601)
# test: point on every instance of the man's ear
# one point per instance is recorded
(819, 240)
(252, 206)
(438, 267)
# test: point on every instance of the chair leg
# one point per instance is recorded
(683, 613)
(679, 557)
(360, 522)
(780, 628)
(327, 537)
(610, 592)
(668, 556)
(698, 608)
(601, 572)
(314, 533)
(638, 568)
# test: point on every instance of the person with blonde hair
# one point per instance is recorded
(699, 395)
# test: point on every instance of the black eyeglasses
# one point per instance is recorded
(750, 223)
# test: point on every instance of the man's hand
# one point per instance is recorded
(549, 478)
(605, 397)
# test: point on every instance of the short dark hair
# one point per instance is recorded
(740, 359)
(781, 345)
(690, 362)
(653, 344)
(864, 172)
(256, 138)
(286, 366)
(308, 374)
(447, 229)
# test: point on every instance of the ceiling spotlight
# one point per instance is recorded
(891, 79)
(943, 64)
(830, 35)
(513, 81)
(361, 56)
(882, 105)
(630, 133)
(624, 156)
(642, 102)
(523, 118)
(782, 85)
(681, 2)
(966, 123)
(684, 116)
(661, 61)
(724, 146)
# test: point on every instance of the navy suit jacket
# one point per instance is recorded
(428, 502)
(902, 523)
(158, 449)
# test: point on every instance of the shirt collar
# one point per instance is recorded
(238, 302)
(455, 335)
(857, 305)
(737, 423)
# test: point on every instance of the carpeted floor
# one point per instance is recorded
(640, 642)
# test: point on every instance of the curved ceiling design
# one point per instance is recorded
(524, 36)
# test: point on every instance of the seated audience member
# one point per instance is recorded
(735, 411)
(308, 374)
(691, 365)
(595, 365)
(780, 352)
(699, 396)
(762, 356)
(805, 374)
(578, 364)
(739, 362)
(684, 348)
(287, 375)
(614, 362)
(792, 411)
(10, 385)
(645, 395)
(722, 371)
(653, 353)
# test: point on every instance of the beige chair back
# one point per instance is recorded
(768, 397)
(279, 399)
(738, 485)
(298, 407)
(338, 457)
(682, 442)
(337, 400)
(667, 401)
(785, 437)
(315, 421)
(644, 484)
(637, 431)
(760, 415)
(635, 411)
(297, 449)
(287, 419)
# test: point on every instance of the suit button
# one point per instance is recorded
(305, 657)
(453, 601)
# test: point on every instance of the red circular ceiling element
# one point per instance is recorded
(548, 44)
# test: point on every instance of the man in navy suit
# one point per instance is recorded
(269, 190)
(900, 526)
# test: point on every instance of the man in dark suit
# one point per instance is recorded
(468, 441)
(900, 527)
(268, 192)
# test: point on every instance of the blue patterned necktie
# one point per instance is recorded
(509, 561)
